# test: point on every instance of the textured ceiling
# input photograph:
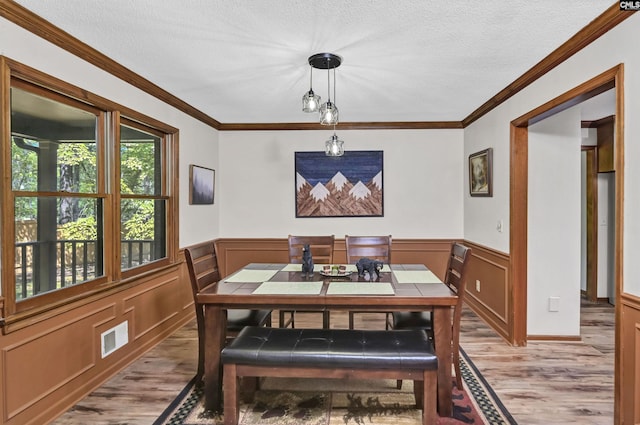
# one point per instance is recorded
(245, 61)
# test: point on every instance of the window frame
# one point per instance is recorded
(163, 194)
(110, 116)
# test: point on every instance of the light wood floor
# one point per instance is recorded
(542, 383)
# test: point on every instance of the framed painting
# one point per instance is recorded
(343, 186)
(481, 173)
(201, 185)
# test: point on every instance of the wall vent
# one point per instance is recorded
(114, 338)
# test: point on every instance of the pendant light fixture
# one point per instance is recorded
(310, 100)
(328, 111)
(334, 146)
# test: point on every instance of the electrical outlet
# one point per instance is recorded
(499, 226)
(477, 286)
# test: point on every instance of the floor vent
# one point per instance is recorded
(114, 338)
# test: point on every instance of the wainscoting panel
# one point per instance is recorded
(51, 364)
(44, 362)
(233, 254)
(154, 305)
(491, 298)
(630, 358)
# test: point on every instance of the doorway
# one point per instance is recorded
(611, 79)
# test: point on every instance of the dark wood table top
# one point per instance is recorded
(407, 296)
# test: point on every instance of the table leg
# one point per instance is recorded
(442, 336)
(215, 325)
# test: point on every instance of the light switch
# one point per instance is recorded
(554, 303)
(499, 226)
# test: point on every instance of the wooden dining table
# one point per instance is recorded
(400, 287)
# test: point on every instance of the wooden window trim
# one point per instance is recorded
(17, 315)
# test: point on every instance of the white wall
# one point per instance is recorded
(492, 130)
(423, 183)
(198, 142)
(606, 236)
(554, 225)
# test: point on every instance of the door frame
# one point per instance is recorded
(591, 221)
(519, 132)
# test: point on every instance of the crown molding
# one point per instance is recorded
(28, 20)
(44, 29)
(596, 28)
(400, 125)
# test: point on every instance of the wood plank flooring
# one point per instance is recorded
(542, 383)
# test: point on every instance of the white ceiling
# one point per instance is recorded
(245, 61)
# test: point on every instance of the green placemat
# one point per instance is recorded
(360, 288)
(289, 288)
(416, 276)
(250, 275)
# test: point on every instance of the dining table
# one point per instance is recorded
(399, 287)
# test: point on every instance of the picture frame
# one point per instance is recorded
(201, 185)
(481, 173)
(350, 185)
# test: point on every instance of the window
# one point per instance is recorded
(86, 178)
(142, 204)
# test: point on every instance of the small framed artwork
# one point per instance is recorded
(201, 185)
(481, 173)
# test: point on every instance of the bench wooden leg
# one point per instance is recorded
(248, 387)
(429, 397)
(231, 401)
(418, 393)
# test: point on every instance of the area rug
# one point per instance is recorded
(286, 401)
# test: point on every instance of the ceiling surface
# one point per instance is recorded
(245, 61)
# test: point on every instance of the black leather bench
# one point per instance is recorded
(331, 353)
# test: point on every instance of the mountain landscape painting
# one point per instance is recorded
(343, 186)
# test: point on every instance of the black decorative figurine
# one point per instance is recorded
(370, 266)
(307, 261)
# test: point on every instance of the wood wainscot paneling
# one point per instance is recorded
(52, 363)
(630, 359)
(433, 253)
(233, 254)
(488, 288)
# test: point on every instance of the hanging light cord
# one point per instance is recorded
(328, 81)
(334, 85)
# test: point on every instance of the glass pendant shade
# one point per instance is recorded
(310, 102)
(334, 146)
(328, 114)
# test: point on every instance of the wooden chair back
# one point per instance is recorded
(456, 280)
(322, 252)
(202, 263)
(321, 248)
(374, 247)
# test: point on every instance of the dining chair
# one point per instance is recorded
(202, 263)
(456, 280)
(321, 248)
(373, 247)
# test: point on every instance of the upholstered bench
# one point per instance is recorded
(331, 353)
